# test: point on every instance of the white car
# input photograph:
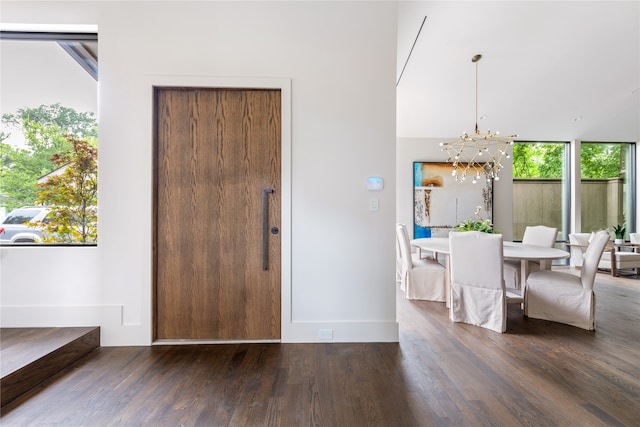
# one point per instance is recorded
(14, 228)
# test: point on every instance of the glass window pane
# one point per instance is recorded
(48, 137)
(607, 171)
(540, 192)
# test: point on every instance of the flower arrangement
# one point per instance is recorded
(476, 224)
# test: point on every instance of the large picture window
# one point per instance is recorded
(48, 137)
(607, 179)
(540, 186)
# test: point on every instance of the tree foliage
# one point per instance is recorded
(72, 196)
(44, 129)
(546, 160)
(69, 121)
(601, 160)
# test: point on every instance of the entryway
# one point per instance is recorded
(217, 202)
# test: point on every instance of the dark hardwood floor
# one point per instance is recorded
(442, 374)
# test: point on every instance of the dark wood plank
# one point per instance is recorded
(31, 356)
(440, 374)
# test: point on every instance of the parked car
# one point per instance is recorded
(14, 228)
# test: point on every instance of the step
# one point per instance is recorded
(30, 356)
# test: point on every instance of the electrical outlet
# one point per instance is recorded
(326, 334)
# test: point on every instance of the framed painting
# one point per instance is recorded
(440, 202)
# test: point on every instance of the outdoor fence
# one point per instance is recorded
(539, 202)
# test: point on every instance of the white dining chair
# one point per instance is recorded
(478, 293)
(414, 255)
(578, 243)
(536, 235)
(565, 297)
(420, 278)
(398, 258)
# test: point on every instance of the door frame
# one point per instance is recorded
(284, 85)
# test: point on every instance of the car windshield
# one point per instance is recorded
(20, 216)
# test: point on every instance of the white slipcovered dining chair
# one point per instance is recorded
(398, 258)
(537, 235)
(478, 293)
(420, 278)
(415, 255)
(578, 243)
(564, 297)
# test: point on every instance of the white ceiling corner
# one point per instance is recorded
(543, 64)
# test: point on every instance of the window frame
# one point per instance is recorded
(572, 186)
(631, 174)
(80, 43)
(565, 216)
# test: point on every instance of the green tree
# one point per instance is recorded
(535, 160)
(545, 160)
(526, 158)
(44, 129)
(67, 120)
(552, 163)
(601, 160)
(72, 195)
(16, 177)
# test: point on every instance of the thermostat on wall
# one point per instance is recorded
(375, 183)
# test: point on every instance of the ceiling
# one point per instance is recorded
(550, 71)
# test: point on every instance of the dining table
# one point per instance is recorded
(512, 250)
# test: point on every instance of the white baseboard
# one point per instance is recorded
(114, 332)
(322, 332)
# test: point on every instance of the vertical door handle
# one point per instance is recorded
(265, 228)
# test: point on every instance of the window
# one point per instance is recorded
(607, 180)
(48, 138)
(540, 186)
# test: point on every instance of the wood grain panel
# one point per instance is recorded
(217, 149)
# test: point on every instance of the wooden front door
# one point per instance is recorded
(217, 214)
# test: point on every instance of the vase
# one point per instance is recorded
(618, 241)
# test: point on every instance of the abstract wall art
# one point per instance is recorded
(440, 202)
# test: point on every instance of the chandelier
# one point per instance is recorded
(479, 153)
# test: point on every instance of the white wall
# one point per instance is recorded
(411, 150)
(340, 59)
